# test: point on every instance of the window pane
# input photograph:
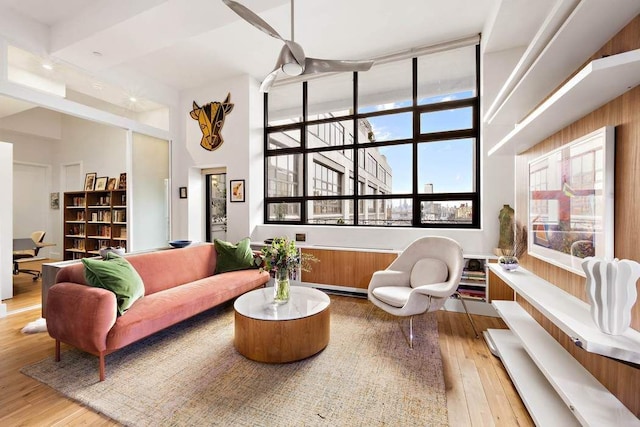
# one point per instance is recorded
(385, 87)
(287, 139)
(446, 166)
(330, 134)
(330, 96)
(448, 75)
(386, 212)
(388, 169)
(283, 211)
(337, 212)
(446, 212)
(285, 104)
(445, 120)
(328, 172)
(386, 128)
(283, 176)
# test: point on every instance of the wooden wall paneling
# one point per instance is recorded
(498, 290)
(346, 268)
(368, 263)
(624, 114)
(333, 268)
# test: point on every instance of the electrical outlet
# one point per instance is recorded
(301, 237)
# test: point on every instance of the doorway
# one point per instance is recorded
(216, 205)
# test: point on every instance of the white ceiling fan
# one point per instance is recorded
(292, 60)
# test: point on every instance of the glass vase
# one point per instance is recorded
(281, 286)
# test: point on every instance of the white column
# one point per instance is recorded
(6, 224)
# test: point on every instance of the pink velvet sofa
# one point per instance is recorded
(179, 283)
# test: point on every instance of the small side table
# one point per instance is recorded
(280, 333)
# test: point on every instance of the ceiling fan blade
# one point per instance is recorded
(253, 19)
(269, 80)
(296, 51)
(315, 65)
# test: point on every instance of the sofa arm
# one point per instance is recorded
(81, 315)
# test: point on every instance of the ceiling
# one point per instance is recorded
(113, 50)
(155, 48)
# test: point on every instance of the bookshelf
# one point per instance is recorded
(473, 287)
(94, 220)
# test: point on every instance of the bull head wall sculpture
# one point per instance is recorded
(211, 117)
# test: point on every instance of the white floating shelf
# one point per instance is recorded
(571, 315)
(597, 83)
(589, 401)
(543, 403)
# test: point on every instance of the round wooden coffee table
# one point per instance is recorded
(279, 333)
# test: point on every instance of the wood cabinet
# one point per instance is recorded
(346, 268)
(94, 220)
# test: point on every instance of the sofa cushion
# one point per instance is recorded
(117, 275)
(428, 271)
(233, 257)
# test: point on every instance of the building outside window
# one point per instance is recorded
(410, 140)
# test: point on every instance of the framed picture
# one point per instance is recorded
(111, 184)
(571, 191)
(183, 192)
(54, 200)
(237, 190)
(122, 184)
(101, 183)
(90, 181)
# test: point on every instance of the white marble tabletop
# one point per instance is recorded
(304, 302)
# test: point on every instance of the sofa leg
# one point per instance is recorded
(102, 370)
(57, 350)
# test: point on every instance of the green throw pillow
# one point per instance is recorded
(117, 275)
(233, 257)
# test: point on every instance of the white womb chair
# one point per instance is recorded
(420, 280)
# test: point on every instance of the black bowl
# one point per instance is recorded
(180, 243)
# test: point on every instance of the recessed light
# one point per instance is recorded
(47, 66)
(132, 99)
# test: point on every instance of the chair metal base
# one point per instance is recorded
(464, 305)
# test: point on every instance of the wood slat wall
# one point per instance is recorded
(346, 268)
(623, 113)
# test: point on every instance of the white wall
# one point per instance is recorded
(6, 224)
(148, 204)
(238, 154)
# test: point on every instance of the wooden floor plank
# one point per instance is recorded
(478, 389)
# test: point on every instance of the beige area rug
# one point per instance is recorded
(191, 375)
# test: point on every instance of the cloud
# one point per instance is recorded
(388, 106)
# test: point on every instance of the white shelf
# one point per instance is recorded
(539, 397)
(571, 315)
(596, 84)
(591, 403)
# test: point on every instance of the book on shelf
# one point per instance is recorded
(123, 232)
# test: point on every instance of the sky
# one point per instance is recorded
(448, 165)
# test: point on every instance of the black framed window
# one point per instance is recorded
(407, 132)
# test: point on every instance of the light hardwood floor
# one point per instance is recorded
(479, 392)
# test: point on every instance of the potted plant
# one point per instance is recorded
(508, 258)
(282, 257)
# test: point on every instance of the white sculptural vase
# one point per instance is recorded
(611, 289)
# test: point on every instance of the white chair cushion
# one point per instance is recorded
(395, 296)
(428, 271)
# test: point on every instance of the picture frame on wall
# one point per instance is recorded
(571, 201)
(54, 200)
(237, 190)
(122, 183)
(90, 181)
(101, 183)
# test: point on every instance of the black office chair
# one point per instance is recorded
(37, 237)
